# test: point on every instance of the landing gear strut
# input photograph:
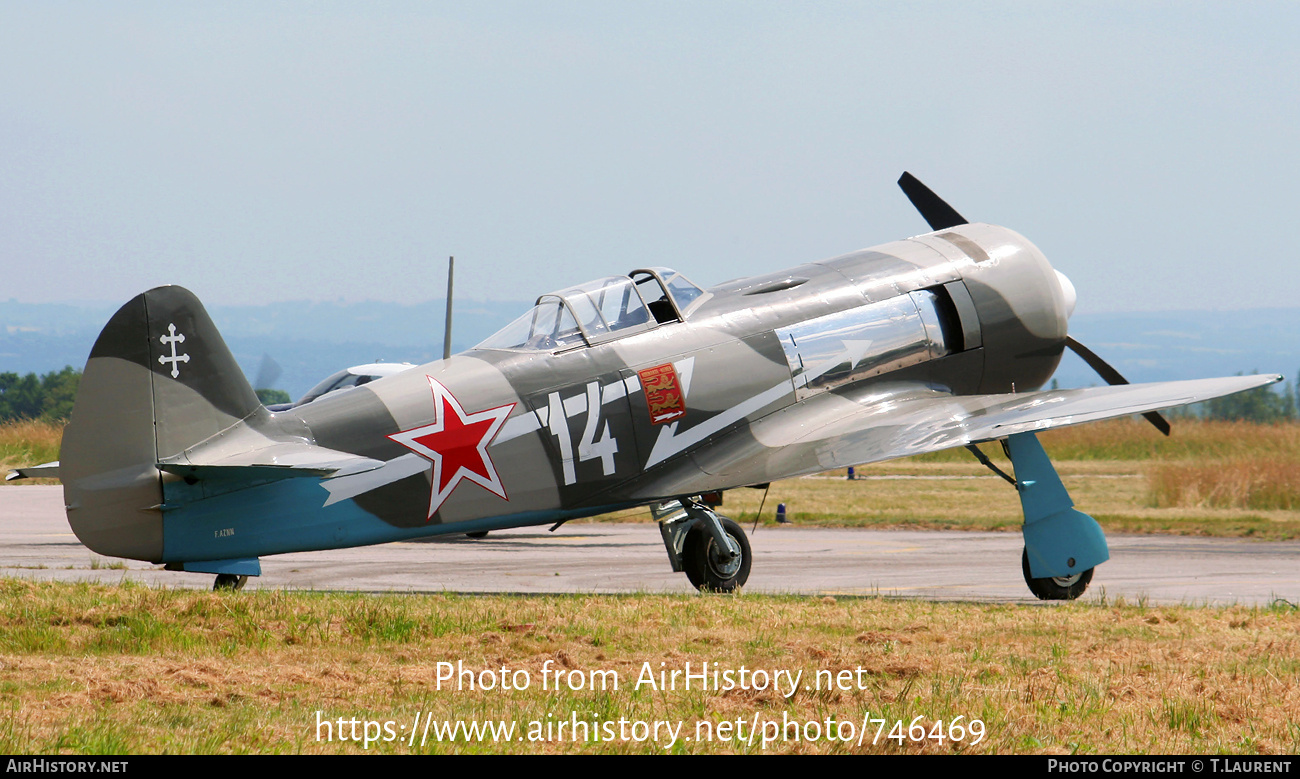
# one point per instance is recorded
(1062, 545)
(711, 549)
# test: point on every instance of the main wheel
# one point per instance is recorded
(477, 534)
(229, 581)
(708, 567)
(1055, 587)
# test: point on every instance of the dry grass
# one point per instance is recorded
(126, 669)
(1219, 465)
(1250, 484)
(29, 442)
(1135, 439)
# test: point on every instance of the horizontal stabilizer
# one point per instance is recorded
(43, 471)
(279, 460)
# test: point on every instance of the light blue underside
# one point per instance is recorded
(245, 567)
(289, 516)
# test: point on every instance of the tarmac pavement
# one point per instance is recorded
(589, 557)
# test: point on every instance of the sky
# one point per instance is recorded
(259, 152)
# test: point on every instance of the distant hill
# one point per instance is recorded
(1168, 345)
(312, 340)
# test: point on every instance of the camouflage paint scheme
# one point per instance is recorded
(936, 341)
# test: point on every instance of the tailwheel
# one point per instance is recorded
(712, 568)
(1055, 587)
(477, 534)
(229, 581)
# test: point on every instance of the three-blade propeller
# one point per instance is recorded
(940, 216)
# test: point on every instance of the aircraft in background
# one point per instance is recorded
(635, 390)
(356, 376)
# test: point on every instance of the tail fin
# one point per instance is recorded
(159, 380)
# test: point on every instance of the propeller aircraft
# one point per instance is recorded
(636, 390)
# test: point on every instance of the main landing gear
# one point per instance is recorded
(229, 581)
(709, 548)
(1055, 587)
(1062, 545)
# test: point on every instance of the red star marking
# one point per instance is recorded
(456, 443)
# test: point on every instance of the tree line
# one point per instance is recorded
(50, 397)
(1262, 404)
(47, 397)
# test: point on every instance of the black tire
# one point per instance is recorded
(477, 534)
(703, 567)
(1055, 588)
(229, 581)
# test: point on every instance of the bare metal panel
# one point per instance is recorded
(846, 346)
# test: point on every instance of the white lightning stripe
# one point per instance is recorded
(345, 487)
(519, 424)
(575, 405)
(670, 443)
(615, 390)
(684, 370)
(632, 384)
(523, 424)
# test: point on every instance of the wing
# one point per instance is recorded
(884, 422)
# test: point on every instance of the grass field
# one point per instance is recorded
(28, 442)
(127, 669)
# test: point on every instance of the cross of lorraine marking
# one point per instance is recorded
(173, 339)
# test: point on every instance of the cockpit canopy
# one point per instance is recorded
(600, 310)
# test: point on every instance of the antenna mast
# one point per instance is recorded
(446, 338)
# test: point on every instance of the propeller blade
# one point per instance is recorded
(936, 212)
(267, 373)
(1112, 376)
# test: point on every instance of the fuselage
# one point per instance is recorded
(973, 309)
(587, 403)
